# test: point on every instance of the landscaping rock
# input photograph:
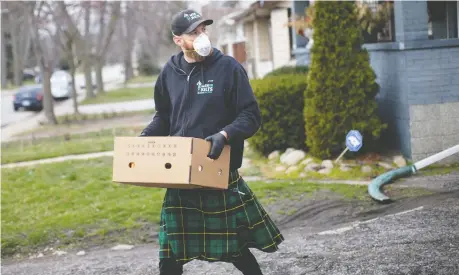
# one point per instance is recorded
(312, 167)
(302, 175)
(293, 157)
(385, 165)
(274, 155)
(40, 255)
(59, 253)
(307, 161)
(288, 151)
(366, 169)
(291, 169)
(280, 168)
(123, 247)
(325, 170)
(81, 253)
(345, 168)
(399, 161)
(327, 164)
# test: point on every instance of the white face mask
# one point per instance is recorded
(202, 45)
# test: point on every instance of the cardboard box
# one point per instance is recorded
(169, 162)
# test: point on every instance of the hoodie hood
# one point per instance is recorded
(201, 67)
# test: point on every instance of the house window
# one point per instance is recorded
(443, 19)
(381, 26)
(299, 11)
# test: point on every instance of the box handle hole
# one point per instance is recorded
(200, 168)
(131, 164)
(168, 165)
(220, 172)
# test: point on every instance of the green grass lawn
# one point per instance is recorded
(11, 86)
(143, 79)
(60, 146)
(76, 200)
(119, 95)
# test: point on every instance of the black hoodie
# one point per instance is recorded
(211, 96)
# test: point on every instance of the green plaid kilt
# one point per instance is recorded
(215, 225)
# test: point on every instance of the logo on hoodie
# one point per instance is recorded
(205, 88)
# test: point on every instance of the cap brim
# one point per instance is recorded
(193, 26)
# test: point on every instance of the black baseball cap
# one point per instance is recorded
(186, 21)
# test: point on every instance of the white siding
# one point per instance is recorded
(280, 37)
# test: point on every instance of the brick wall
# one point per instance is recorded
(411, 20)
(432, 75)
(410, 79)
(392, 98)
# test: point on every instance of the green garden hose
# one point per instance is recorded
(374, 188)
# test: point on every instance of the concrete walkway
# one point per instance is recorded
(58, 159)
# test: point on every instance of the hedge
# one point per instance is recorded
(287, 70)
(341, 83)
(281, 101)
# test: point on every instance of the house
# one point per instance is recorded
(258, 36)
(417, 69)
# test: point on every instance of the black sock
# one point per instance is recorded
(169, 266)
(247, 263)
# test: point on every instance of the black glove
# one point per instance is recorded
(218, 142)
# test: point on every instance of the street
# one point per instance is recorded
(8, 114)
(110, 74)
(113, 77)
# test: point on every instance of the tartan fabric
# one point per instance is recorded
(215, 225)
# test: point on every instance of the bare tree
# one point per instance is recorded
(84, 49)
(104, 37)
(18, 28)
(4, 64)
(128, 32)
(66, 41)
(83, 41)
(151, 16)
(39, 19)
(73, 64)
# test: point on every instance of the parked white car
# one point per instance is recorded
(61, 85)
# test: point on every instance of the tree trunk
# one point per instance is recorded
(72, 65)
(17, 68)
(47, 97)
(128, 69)
(4, 67)
(99, 78)
(88, 78)
(74, 93)
(87, 53)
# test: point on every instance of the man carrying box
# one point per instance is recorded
(202, 93)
